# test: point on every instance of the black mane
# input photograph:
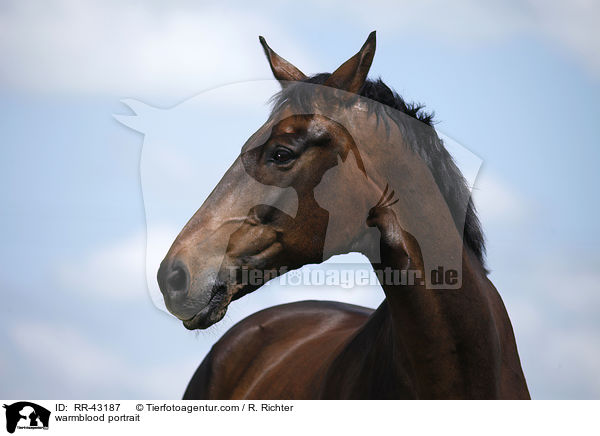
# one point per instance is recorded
(421, 137)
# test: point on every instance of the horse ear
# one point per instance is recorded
(351, 75)
(282, 69)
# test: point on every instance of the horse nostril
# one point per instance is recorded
(177, 279)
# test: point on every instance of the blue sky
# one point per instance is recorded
(518, 84)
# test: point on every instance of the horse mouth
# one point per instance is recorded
(228, 289)
(212, 313)
(216, 307)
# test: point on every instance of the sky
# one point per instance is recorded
(515, 83)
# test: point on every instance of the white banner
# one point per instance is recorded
(298, 417)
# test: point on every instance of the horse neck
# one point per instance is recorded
(449, 337)
(442, 343)
(449, 343)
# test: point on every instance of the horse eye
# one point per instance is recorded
(282, 155)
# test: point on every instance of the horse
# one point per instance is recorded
(367, 173)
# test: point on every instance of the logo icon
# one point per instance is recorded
(26, 415)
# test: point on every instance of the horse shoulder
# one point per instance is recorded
(280, 352)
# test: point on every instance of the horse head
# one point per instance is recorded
(301, 191)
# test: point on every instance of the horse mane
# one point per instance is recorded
(424, 141)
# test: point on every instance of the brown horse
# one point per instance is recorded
(367, 173)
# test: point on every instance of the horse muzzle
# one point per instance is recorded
(199, 280)
(197, 296)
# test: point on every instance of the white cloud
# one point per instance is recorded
(574, 289)
(116, 271)
(496, 201)
(560, 361)
(65, 351)
(553, 302)
(137, 49)
(570, 284)
(131, 48)
(571, 26)
(576, 351)
(83, 366)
